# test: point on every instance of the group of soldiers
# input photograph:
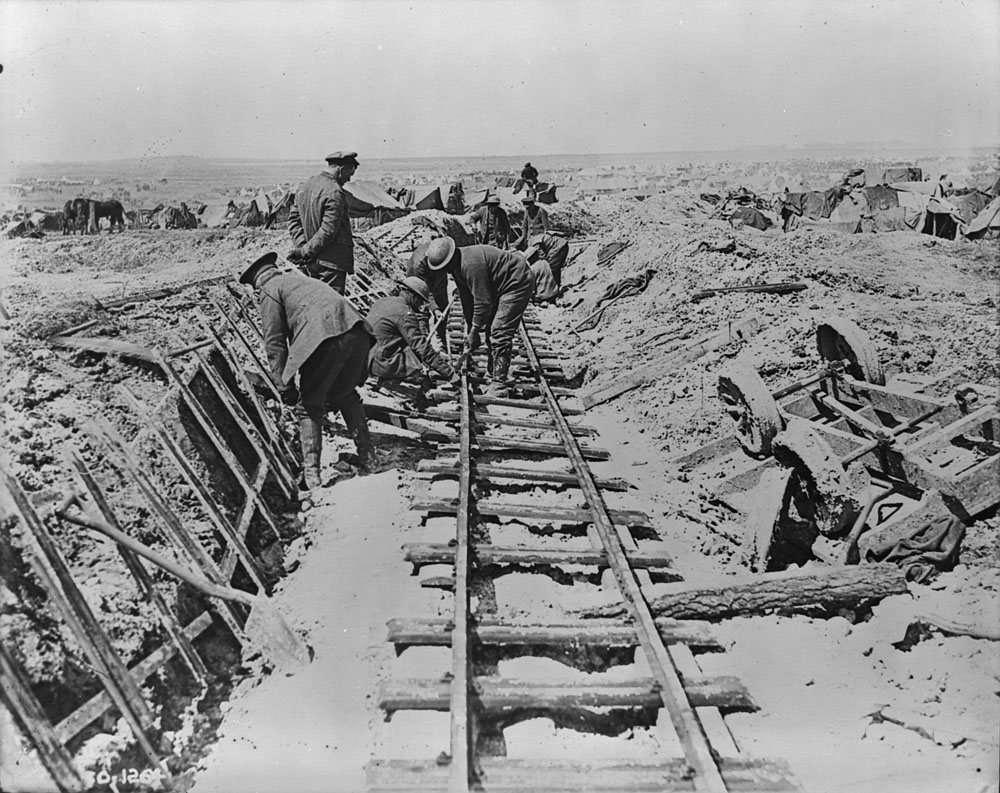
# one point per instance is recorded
(313, 333)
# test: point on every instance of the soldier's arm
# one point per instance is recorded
(295, 226)
(334, 211)
(274, 327)
(415, 331)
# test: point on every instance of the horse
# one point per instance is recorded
(113, 210)
(76, 215)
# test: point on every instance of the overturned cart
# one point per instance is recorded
(842, 466)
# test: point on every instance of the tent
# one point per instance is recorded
(748, 216)
(371, 204)
(986, 223)
(216, 215)
(902, 173)
(281, 208)
(425, 196)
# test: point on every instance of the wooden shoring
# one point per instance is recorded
(264, 450)
(685, 720)
(234, 326)
(54, 575)
(95, 707)
(175, 532)
(142, 577)
(17, 696)
(273, 435)
(235, 536)
(251, 487)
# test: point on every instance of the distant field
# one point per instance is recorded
(174, 179)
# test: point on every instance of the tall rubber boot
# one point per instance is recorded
(357, 425)
(498, 376)
(311, 438)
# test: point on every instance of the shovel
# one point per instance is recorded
(265, 627)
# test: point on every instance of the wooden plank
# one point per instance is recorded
(534, 447)
(486, 418)
(491, 472)
(97, 705)
(18, 698)
(142, 577)
(493, 694)
(888, 400)
(644, 374)
(237, 468)
(124, 349)
(442, 553)
(163, 291)
(55, 577)
(523, 404)
(606, 633)
(534, 512)
(279, 467)
(247, 513)
(706, 452)
(234, 539)
(558, 775)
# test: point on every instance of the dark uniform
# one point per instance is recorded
(321, 229)
(436, 280)
(495, 288)
(494, 226)
(536, 221)
(402, 346)
(555, 250)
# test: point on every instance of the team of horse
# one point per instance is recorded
(84, 215)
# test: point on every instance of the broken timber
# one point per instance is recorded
(437, 553)
(555, 478)
(645, 374)
(449, 506)
(789, 591)
(773, 289)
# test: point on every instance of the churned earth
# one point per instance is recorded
(850, 706)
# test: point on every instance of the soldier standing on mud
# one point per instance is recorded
(319, 222)
(495, 288)
(310, 330)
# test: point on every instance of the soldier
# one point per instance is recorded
(309, 329)
(495, 288)
(554, 250)
(402, 351)
(493, 225)
(437, 285)
(536, 221)
(529, 173)
(319, 222)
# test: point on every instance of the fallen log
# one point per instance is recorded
(773, 289)
(812, 589)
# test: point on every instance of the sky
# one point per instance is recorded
(107, 79)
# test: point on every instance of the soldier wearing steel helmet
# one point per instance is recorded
(402, 350)
(495, 288)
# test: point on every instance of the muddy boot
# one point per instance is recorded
(357, 426)
(311, 438)
(498, 375)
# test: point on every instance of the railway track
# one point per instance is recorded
(670, 696)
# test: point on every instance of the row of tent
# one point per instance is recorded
(911, 205)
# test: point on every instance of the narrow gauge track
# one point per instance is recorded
(697, 751)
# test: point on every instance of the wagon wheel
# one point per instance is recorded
(827, 493)
(749, 404)
(839, 339)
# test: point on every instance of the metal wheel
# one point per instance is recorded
(839, 339)
(827, 494)
(748, 402)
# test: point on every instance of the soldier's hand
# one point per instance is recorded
(290, 395)
(296, 256)
(472, 340)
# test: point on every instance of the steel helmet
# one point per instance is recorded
(418, 286)
(439, 252)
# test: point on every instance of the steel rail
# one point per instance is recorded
(695, 744)
(459, 779)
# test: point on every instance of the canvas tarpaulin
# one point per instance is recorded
(985, 221)
(627, 287)
(748, 216)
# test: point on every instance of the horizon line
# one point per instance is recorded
(742, 149)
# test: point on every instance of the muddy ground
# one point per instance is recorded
(831, 691)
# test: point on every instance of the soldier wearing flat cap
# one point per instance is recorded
(320, 225)
(492, 224)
